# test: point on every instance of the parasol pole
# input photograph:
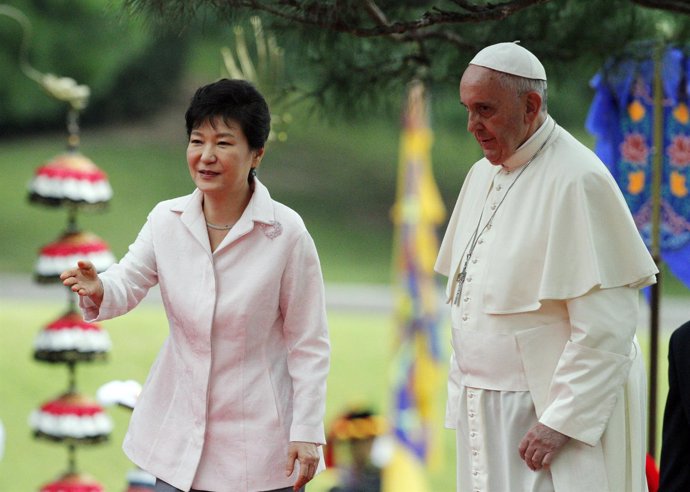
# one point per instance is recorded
(655, 248)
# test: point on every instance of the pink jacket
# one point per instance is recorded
(243, 370)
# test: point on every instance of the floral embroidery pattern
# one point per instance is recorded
(623, 118)
(679, 187)
(636, 111)
(272, 230)
(679, 151)
(634, 148)
(636, 182)
(681, 114)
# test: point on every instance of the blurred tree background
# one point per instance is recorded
(346, 67)
(348, 58)
(354, 57)
(131, 71)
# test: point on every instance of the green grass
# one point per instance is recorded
(362, 345)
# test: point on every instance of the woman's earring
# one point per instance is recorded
(252, 172)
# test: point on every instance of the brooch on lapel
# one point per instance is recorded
(272, 230)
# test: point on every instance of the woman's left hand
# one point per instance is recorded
(308, 456)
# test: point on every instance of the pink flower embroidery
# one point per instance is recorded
(634, 149)
(272, 230)
(679, 151)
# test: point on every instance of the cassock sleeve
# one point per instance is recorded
(595, 363)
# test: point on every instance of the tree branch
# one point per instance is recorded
(352, 17)
(468, 6)
(680, 6)
(329, 17)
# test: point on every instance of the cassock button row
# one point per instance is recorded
(481, 241)
(474, 260)
(499, 187)
(465, 317)
(467, 299)
(473, 434)
(493, 206)
(475, 452)
(469, 279)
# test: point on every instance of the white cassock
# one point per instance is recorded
(543, 328)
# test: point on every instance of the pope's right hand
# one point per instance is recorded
(84, 281)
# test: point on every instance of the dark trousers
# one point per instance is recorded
(162, 486)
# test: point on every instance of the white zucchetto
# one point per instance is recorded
(510, 58)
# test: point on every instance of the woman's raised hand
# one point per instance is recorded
(84, 281)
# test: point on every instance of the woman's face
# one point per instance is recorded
(219, 157)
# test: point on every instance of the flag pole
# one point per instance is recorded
(417, 212)
(655, 247)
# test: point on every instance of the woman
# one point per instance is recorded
(235, 399)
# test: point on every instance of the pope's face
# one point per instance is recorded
(496, 115)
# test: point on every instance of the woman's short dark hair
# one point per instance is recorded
(231, 100)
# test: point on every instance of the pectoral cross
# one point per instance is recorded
(461, 280)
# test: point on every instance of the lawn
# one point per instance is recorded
(361, 354)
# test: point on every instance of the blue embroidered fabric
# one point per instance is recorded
(621, 118)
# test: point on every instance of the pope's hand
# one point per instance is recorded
(540, 446)
(308, 456)
(84, 281)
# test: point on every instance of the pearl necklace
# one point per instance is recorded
(219, 227)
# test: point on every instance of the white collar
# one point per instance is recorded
(527, 150)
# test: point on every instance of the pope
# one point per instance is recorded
(546, 388)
